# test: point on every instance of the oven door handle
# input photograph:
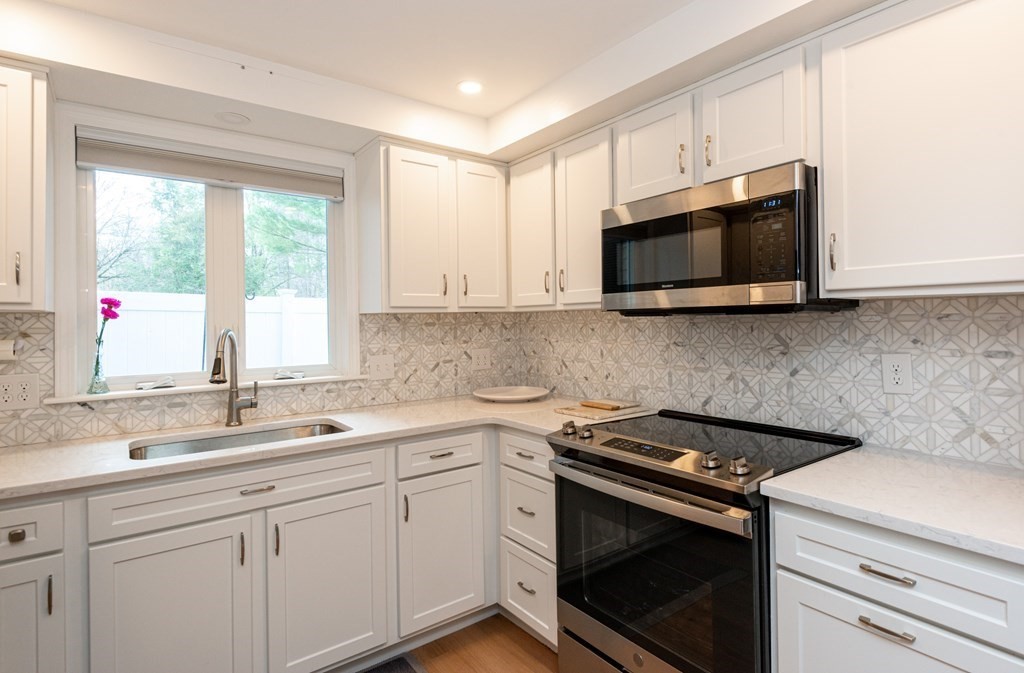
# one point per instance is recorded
(731, 520)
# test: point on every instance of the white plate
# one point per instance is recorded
(511, 393)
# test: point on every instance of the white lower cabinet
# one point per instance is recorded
(326, 583)
(440, 547)
(180, 600)
(32, 616)
(528, 586)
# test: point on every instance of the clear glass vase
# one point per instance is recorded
(98, 383)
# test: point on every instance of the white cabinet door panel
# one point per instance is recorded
(482, 233)
(15, 185)
(32, 616)
(532, 231)
(654, 150)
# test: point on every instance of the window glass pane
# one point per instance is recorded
(151, 255)
(285, 280)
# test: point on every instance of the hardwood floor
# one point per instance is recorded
(494, 645)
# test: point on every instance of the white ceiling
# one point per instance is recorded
(419, 49)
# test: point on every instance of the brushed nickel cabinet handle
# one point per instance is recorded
(49, 595)
(17, 268)
(547, 281)
(832, 251)
(707, 150)
(526, 456)
(526, 511)
(254, 491)
(277, 540)
(16, 535)
(465, 285)
(406, 498)
(561, 280)
(886, 576)
(444, 278)
(682, 152)
(435, 456)
(525, 588)
(905, 637)
(241, 556)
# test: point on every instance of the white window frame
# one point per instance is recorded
(75, 265)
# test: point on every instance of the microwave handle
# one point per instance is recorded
(737, 522)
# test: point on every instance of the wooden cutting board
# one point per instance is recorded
(593, 414)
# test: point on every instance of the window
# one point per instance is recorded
(191, 243)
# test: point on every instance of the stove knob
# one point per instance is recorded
(569, 428)
(586, 432)
(710, 461)
(738, 466)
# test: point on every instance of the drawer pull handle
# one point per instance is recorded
(254, 491)
(49, 595)
(527, 456)
(526, 588)
(277, 540)
(905, 637)
(406, 499)
(17, 268)
(561, 280)
(435, 456)
(526, 511)
(16, 535)
(707, 150)
(242, 554)
(682, 166)
(886, 576)
(547, 282)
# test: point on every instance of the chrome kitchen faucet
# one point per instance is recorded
(235, 402)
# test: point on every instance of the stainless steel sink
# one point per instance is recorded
(144, 449)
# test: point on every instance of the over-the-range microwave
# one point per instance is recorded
(743, 245)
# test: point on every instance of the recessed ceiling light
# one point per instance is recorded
(235, 118)
(470, 87)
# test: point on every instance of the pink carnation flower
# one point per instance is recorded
(109, 313)
(110, 302)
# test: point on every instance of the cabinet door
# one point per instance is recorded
(922, 144)
(440, 548)
(32, 616)
(327, 591)
(532, 231)
(174, 601)
(15, 185)
(419, 227)
(583, 188)
(754, 118)
(654, 150)
(483, 272)
(814, 619)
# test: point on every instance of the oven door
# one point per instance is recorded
(654, 581)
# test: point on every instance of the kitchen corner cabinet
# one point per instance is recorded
(32, 616)
(23, 189)
(921, 115)
(654, 150)
(432, 231)
(755, 117)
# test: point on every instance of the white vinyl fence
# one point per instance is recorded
(165, 333)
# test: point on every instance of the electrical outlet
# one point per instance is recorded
(897, 374)
(381, 366)
(481, 358)
(20, 391)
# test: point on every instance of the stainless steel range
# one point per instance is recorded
(663, 541)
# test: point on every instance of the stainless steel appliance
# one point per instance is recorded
(662, 541)
(747, 244)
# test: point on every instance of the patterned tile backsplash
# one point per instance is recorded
(816, 371)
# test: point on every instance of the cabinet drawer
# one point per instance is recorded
(821, 629)
(528, 589)
(528, 455)
(961, 591)
(27, 531)
(155, 507)
(528, 511)
(435, 455)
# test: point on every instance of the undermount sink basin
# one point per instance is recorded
(162, 448)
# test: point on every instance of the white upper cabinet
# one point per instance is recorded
(921, 118)
(419, 226)
(483, 265)
(583, 188)
(754, 118)
(654, 150)
(23, 110)
(532, 231)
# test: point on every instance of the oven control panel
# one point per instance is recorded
(654, 451)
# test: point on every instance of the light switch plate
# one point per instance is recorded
(19, 391)
(381, 366)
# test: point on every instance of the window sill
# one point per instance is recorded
(201, 388)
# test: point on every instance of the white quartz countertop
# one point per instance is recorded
(979, 508)
(61, 466)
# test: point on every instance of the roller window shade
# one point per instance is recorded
(107, 155)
